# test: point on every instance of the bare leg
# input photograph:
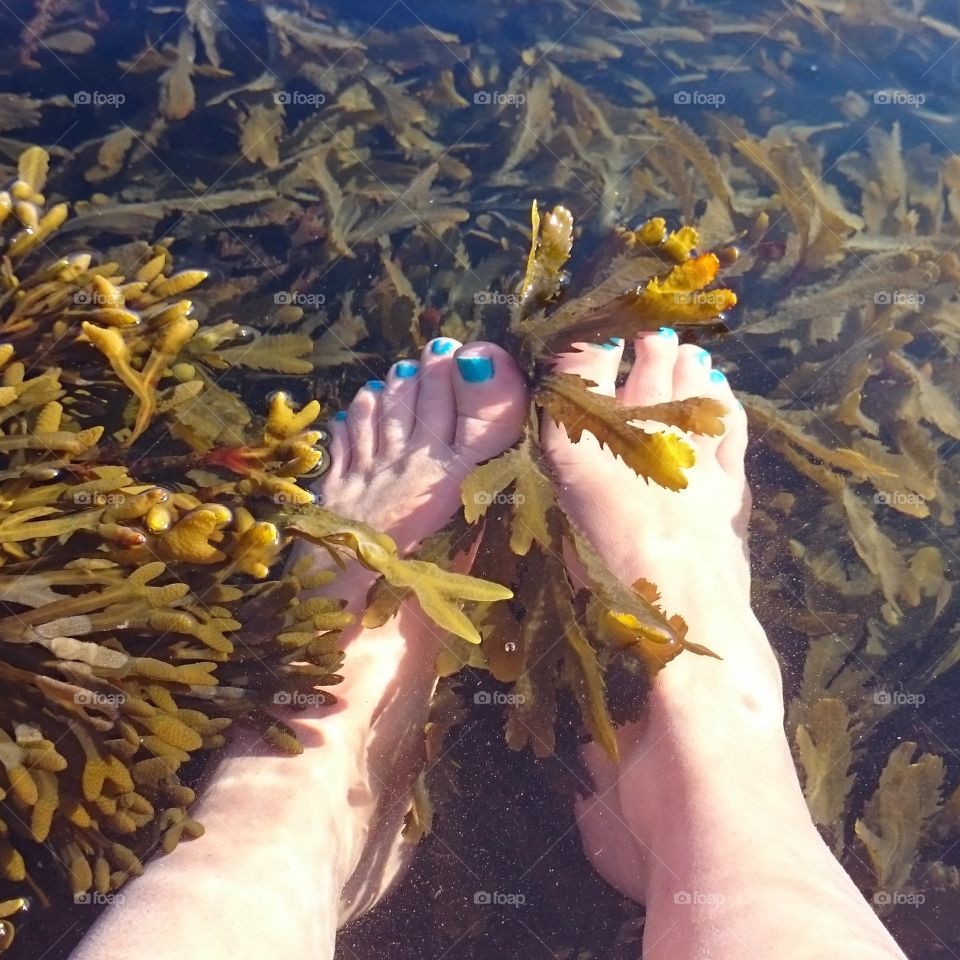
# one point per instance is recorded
(286, 836)
(703, 819)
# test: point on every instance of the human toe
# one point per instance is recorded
(598, 362)
(363, 417)
(691, 372)
(339, 449)
(491, 401)
(650, 380)
(398, 412)
(436, 417)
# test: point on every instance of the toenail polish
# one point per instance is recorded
(406, 369)
(703, 356)
(717, 376)
(375, 385)
(340, 415)
(475, 369)
(441, 347)
(611, 344)
(667, 332)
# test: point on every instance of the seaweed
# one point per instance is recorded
(147, 517)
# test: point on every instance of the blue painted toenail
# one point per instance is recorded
(406, 368)
(441, 347)
(703, 356)
(375, 385)
(340, 415)
(475, 369)
(617, 341)
(717, 376)
(667, 332)
(609, 345)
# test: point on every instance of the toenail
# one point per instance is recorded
(475, 369)
(717, 376)
(703, 356)
(739, 405)
(667, 332)
(340, 415)
(375, 385)
(611, 344)
(406, 368)
(441, 347)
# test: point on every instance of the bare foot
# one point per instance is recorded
(399, 455)
(692, 545)
(295, 847)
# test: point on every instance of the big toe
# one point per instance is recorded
(491, 400)
(597, 362)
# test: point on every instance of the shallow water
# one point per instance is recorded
(438, 142)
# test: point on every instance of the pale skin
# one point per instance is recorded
(703, 819)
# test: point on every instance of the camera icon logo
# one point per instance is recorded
(482, 898)
(282, 698)
(82, 97)
(482, 97)
(682, 97)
